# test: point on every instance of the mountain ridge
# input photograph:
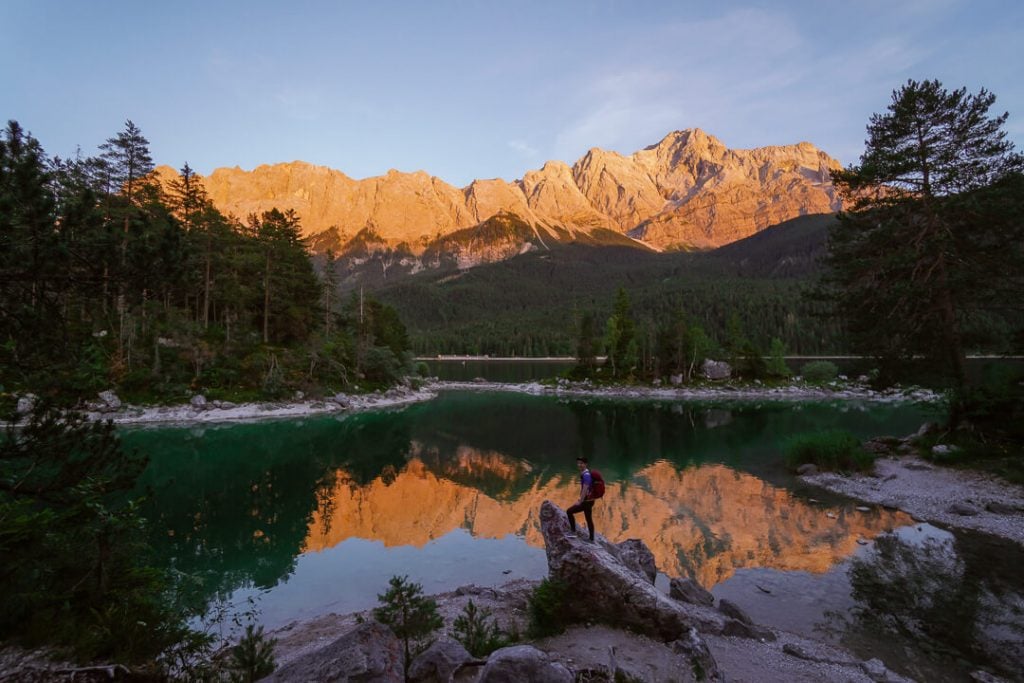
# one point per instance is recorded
(687, 191)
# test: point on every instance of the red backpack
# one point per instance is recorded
(596, 485)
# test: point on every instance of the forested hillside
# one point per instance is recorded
(107, 281)
(531, 305)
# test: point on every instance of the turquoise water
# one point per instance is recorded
(297, 518)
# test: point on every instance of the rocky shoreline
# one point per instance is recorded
(626, 630)
(963, 499)
(792, 392)
(108, 406)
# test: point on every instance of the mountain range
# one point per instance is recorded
(687, 192)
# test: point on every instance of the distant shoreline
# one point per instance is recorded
(571, 359)
(342, 404)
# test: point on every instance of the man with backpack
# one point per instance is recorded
(591, 488)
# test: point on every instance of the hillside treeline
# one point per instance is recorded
(533, 305)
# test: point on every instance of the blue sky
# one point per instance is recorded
(472, 89)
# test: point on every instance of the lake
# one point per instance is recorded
(296, 518)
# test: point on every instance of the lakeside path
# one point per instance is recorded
(216, 411)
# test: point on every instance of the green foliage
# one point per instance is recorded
(253, 657)
(927, 261)
(109, 281)
(776, 365)
(547, 608)
(412, 616)
(587, 345)
(477, 631)
(620, 337)
(819, 371)
(75, 572)
(829, 450)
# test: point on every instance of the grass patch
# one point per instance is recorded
(819, 371)
(829, 450)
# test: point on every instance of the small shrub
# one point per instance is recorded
(830, 450)
(477, 631)
(412, 616)
(819, 371)
(548, 608)
(253, 657)
(776, 365)
(422, 369)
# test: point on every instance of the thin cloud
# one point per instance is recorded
(524, 148)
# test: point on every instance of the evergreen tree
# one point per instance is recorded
(127, 160)
(412, 616)
(587, 344)
(919, 260)
(621, 336)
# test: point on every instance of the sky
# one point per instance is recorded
(468, 89)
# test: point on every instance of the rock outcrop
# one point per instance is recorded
(370, 653)
(687, 191)
(439, 662)
(606, 590)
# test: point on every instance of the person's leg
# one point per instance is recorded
(571, 514)
(588, 509)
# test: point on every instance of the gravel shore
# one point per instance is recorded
(950, 497)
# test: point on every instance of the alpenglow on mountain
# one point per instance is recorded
(689, 191)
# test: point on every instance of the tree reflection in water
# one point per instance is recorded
(945, 598)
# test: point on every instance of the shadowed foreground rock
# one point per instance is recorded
(522, 663)
(370, 653)
(439, 662)
(604, 589)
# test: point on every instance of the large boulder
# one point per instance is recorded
(109, 401)
(522, 663)
(633, 553)
(26, 403)
(604, 589)
(439, 662)
(370, 653)
(688, 590)
(716, 369)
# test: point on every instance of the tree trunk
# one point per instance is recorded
(266, 302)
(206, 285)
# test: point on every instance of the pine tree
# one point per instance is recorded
(412, 616)
(922, 253)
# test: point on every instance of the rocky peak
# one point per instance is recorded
(686, 191)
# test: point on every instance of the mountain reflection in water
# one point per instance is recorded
(321, 511)
(704, 521)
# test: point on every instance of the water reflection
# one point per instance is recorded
(703, 521)
(237, 506)
(953, 599)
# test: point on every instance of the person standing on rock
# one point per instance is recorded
(586, 502)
